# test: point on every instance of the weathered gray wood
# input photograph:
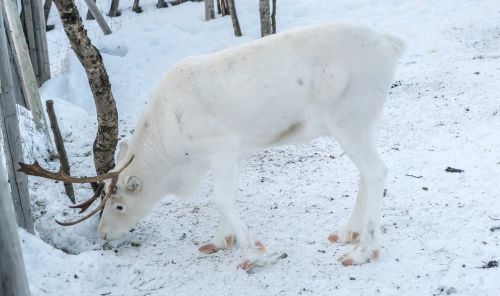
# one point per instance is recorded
(209, 10)
(113, 9)
(273, 18)
(13, 281)
(234, 18)
(42, 52)
(265, 18)
(29, 33)
(34, 26)
(61, 151)
(46, 9)
(89, 13)
(23, 64)
(12, 137)
(16, 79)
(98, 17)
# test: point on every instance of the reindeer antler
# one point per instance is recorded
(36, 170)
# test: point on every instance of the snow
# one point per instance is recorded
(444, 111)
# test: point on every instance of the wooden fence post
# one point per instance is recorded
(34, 25)
(113, 9)
(26, 73)
(11, 136)
(12, 273)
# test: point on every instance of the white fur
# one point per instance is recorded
(209, 112)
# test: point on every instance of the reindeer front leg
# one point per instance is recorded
(226, 181)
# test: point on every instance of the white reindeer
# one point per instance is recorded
(210, 112)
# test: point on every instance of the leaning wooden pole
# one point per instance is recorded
(12, 272)
(98, 17)
(12, 136)
(61, 151)
(107, 115)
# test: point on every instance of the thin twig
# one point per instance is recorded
(418, 177)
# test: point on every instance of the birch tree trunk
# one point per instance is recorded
(161, 4)
(13, 281)
(209, 10)
(135, 7)
(89, 56)
(223, 7)
(234, 18)
(265, 18)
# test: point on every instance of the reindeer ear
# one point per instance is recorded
(133, 184)
(122, 150)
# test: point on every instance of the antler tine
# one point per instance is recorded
(86, 204)
(92, 213)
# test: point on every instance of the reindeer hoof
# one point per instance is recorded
(344, 236)
(359, 256)
(208, 249)
(247, 265)
(211, 248)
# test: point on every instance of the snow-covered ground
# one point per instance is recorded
(438, 227)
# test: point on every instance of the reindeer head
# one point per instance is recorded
(125, 207)
(121, 193)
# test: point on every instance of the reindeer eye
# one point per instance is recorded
(119, 207)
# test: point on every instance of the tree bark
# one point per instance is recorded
(234, 18)
(12, 273)
(209, 10)
(113, 9)
(265, 19)
(161, 4)
(273, 18)
(12, 138)
(107, 116)
(135, 7)
(61, 151)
